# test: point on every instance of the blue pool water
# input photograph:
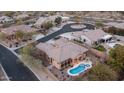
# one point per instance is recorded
(79, 69)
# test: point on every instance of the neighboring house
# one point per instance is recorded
(61, 53)
(10, 31)
(89, 36)
(6, 20)
(42, 20)
(93, 36)
(115, 24)
(22, 16)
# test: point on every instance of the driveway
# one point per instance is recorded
(14, 68)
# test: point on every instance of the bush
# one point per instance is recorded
(27, 50)
(100, 48)
(99, 24)
(26, 54)
(2, 36)
(116, 31)
(58, 20)
(117, 58)
(101, 72)
(47, 25)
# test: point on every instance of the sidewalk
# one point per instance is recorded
(3, 75)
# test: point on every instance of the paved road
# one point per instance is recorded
(65, 29)
(15, 70)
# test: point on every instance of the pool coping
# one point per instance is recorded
(86, 68)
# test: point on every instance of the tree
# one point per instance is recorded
(9, 13)
(101, 72)
(112, 30)
(100, 48)
(26, 55)
(78, 19)
(58, 20)
(99, 24)
(117, 58)
(116, 31)
(27, 50)
(47, 25)
(2, 36)
(19, 34)
(19, 22)
(28, 36)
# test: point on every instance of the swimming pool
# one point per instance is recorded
(80, 68)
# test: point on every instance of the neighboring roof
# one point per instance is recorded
(65, 18)
(5, 18)
(21, 16)
(107, 37)
(112, 45)
(61, 50)
(13, 29)
(41, 20)
(68, 36)
(77, 34)
(95, 34)
(120, 37)
(115, 24)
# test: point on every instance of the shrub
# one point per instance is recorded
(101, 72)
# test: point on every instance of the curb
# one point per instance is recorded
(4, 73)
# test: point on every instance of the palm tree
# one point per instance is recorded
(78, 19)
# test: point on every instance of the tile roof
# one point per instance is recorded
(13, 29)
(61, 49)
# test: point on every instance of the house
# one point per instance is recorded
(10, 31)
(61, 53)
(6, 20)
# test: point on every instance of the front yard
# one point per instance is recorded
(18, 39)
(36, 64)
